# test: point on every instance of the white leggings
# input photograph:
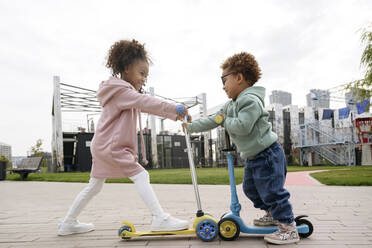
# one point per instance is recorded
(142, 182)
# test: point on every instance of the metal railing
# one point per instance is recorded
(338, 155)
(335, 145)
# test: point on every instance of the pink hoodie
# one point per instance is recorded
(114, 145)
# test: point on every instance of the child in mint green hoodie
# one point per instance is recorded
(246, 121)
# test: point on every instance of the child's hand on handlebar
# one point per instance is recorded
(181, 112)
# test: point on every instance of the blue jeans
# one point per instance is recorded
(263, 183)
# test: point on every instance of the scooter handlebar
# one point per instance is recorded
(180, 109)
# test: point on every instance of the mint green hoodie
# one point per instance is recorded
(245, 120)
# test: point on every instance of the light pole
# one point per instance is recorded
(90, 119)
(351, 104)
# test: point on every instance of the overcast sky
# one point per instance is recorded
(299, 45)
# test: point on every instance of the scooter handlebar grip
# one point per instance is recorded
(180, 109)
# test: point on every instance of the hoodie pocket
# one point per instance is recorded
(123, 156)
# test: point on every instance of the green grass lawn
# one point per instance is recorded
(338, 175)
(351, 176)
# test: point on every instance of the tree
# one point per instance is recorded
(363, 88)
(4, 159)
(37, 151)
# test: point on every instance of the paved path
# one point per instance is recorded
(29, 212)
(302, 178)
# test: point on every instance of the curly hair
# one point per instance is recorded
(244, 63)
(123, 53)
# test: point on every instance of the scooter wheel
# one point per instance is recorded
(300, 222)
(207, 230)
(122, 230)
(228, 229)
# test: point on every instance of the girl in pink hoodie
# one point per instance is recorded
(114, 145)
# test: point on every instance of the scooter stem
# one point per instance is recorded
(199, 213)
(235, 205)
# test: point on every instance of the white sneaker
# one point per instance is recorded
(67, 228)
(286, 234)
(168, 223)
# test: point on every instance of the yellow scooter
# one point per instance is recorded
(205, 226)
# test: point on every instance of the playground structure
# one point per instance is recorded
(338, 143)
(68, 98)
(337, 146)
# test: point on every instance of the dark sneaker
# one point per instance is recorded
(266, 220)
(287, 234)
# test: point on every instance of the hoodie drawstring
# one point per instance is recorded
(143, 149)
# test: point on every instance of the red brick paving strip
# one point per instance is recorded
(302, 178)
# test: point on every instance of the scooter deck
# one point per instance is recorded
(134, 233)
(160, 233)
(252, 229)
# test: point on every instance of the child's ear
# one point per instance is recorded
(125, 70)
(240, 78)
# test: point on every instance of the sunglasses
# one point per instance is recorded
(223, 76)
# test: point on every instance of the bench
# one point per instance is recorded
(28, 165)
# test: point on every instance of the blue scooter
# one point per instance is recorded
(231, 224)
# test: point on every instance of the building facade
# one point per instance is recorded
(318, 98)
(280, 97)
(6, 151)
